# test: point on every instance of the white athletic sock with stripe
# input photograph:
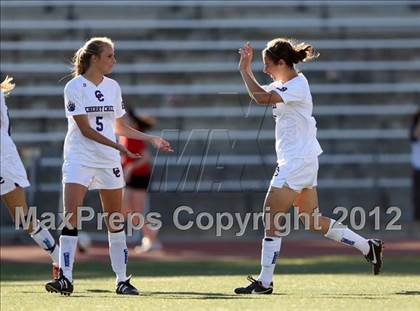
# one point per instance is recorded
(118, 253)
(68, 246)
(340, 233)
(44, 239)
(269, 253)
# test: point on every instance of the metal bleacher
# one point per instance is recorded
(177, 61)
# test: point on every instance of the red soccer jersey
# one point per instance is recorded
(135, 146)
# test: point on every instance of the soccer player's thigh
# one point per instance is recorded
(277, 200)
(76, 180)
(13, 180)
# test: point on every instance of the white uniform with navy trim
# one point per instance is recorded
(87, 162)
(297, 147)
(12, 171)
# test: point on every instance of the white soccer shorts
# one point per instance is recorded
(297, 174)
(93, 177)
(12, 175)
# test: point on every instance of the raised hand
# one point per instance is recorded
(246, 52)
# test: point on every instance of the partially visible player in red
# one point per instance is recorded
(137, 176)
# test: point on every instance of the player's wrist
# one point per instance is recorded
(245, 69)
(148, 138)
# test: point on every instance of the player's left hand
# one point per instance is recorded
(161, 144)
(246, 52)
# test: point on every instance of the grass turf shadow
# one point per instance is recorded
(315, 265)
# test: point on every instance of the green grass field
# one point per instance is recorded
(319, 283)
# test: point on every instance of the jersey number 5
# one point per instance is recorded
(99, 124)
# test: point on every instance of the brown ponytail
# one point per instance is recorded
(289, 51)
(82, 57)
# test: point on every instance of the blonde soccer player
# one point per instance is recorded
(13, 180)
(95, 114)
(295, 178)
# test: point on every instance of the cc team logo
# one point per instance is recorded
(71, 106)
(2, 181)
(99, 96)
(283, 89)
(116, 172)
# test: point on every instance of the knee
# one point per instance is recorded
(27, 222)
(270, 233)
(70, 214)
(115, 222)
(312, 222)
(269, 230)
(277, 224)
(116, 228)
(315, 225)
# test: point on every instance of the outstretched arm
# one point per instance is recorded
(255, 91)
(123, 128)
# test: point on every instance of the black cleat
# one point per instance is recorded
(60, 285)
(375, 254)
(255, 287)
(125, 288)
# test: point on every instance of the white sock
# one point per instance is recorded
(340, 233)
(118, 253)
(44, 239)
(68, 246)
(269, 253)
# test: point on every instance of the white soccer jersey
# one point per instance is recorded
(102, 104)
(8, 148)
(295, 126)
